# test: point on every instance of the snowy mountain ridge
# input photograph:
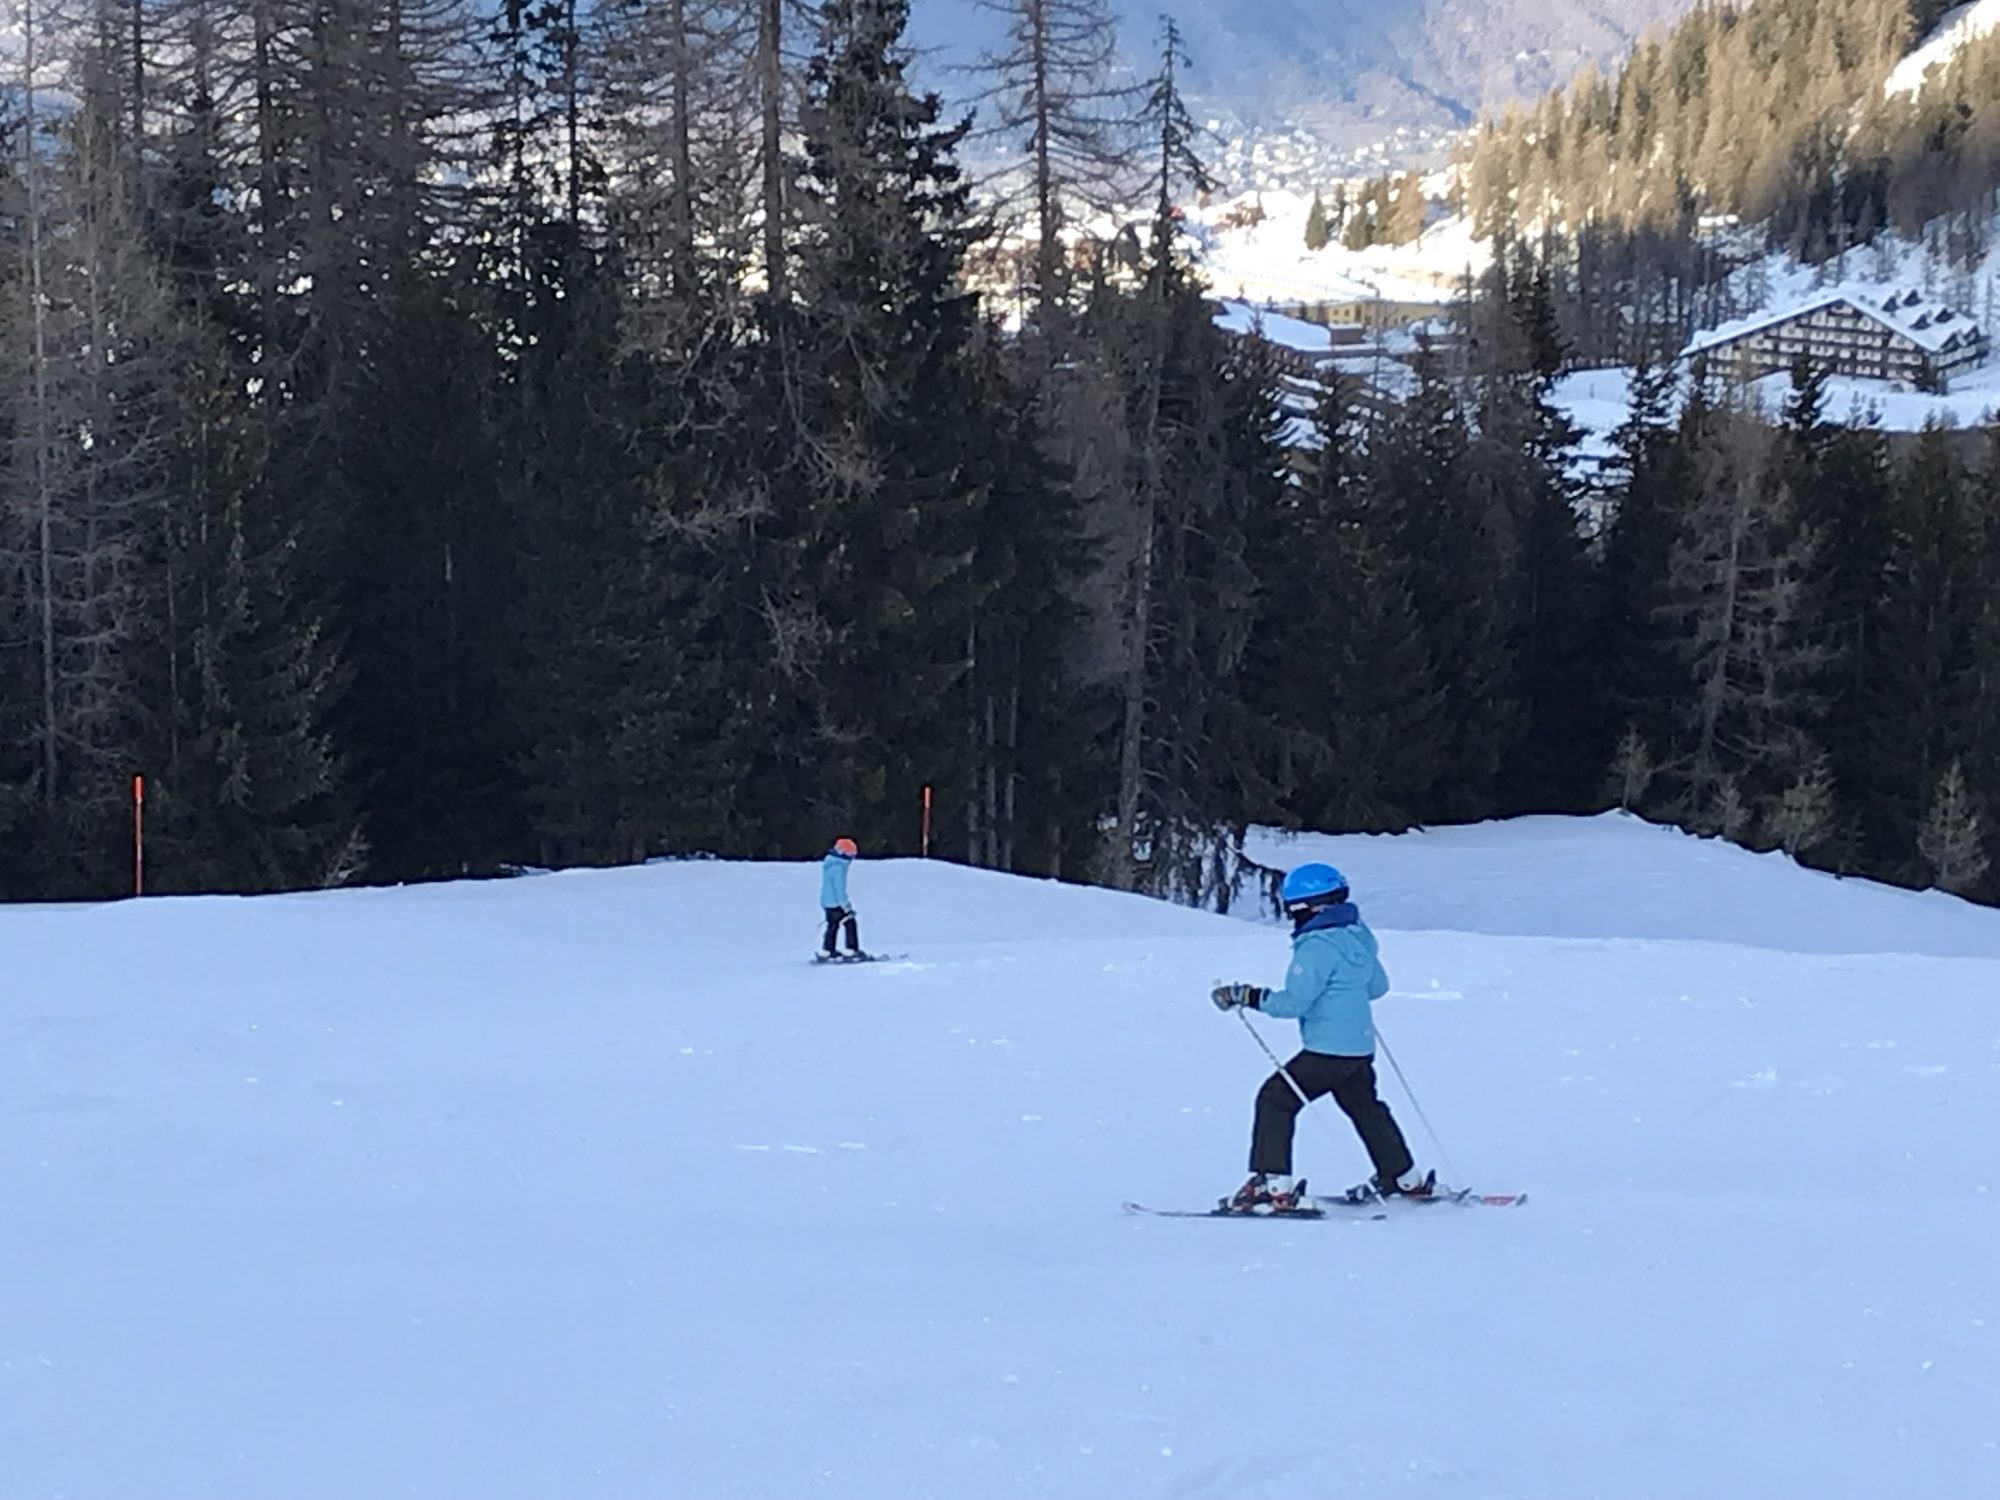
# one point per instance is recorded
(1352, 71)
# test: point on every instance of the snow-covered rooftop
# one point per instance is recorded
(1246, 318)
(1931, 325)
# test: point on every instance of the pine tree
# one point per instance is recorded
(438, 531)
(1362, 227)
(81, 495)
(1155, 414)
(1318, 234)
(1952, 839)
(1846, 503)
(1446, 520)
(1030, 734)
(1219, 463)
(248, 789)
(1802, 819)
(1520, 469)
(1736, 595)
(1641, 674)
(887, 328)
(1406, 220)
(1921, 690)
(1632, 772)
(1337, 673)
(1981, 734)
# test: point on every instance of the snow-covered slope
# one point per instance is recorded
(1268, 261)
(587, 1185)
(1618, 876)
(1965, 24)
(1596, 399)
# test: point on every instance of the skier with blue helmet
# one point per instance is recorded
(1335, 977)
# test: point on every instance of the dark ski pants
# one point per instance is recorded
(1351, 1081)
(836, 918)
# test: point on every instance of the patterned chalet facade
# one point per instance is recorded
(1891, 335)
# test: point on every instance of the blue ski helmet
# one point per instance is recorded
(1312, 885)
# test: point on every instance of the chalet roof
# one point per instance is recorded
(1244, 318)
(1932, 326)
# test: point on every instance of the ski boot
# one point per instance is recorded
(1266, 1194)
(1412, 1184)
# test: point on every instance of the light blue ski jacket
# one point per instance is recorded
(1334, 979)
(833, 880)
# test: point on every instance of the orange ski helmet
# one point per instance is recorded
(847, 847)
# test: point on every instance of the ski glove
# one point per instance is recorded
(1229, 996)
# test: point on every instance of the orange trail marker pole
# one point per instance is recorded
(138, 835)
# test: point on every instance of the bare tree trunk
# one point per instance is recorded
(1132, 738)
(265, 69)
(682, 229)
(138, 55)
(975, 749)
(39, 467)
(1013, 784)
(1123, 868)
(1048, 244)
(1715, 689)
(573, 114)
(991, 788)
(771, 101)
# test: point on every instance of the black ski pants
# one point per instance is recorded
(1351, 1081)
(836, 918)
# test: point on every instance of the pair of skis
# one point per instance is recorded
(1334, 1207)
(858, 958)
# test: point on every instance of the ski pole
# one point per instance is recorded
(1429, 1129)
(1285, 1073)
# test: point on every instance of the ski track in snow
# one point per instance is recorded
(582, 1185)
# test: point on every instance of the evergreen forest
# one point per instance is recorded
(442, 438)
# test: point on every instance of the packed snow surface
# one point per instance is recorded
(589, 1185)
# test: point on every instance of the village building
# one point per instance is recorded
(1358, 315)
(1373, 374)
(1296, 347)
(1891, 334)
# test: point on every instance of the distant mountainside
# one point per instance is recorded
(1350, 70)
(1955, 31)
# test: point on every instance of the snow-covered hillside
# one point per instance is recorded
(1268, 261)
(1596, 400)
(588, 1185)
(1955, 30)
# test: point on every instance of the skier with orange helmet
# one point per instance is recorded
(833, 899)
